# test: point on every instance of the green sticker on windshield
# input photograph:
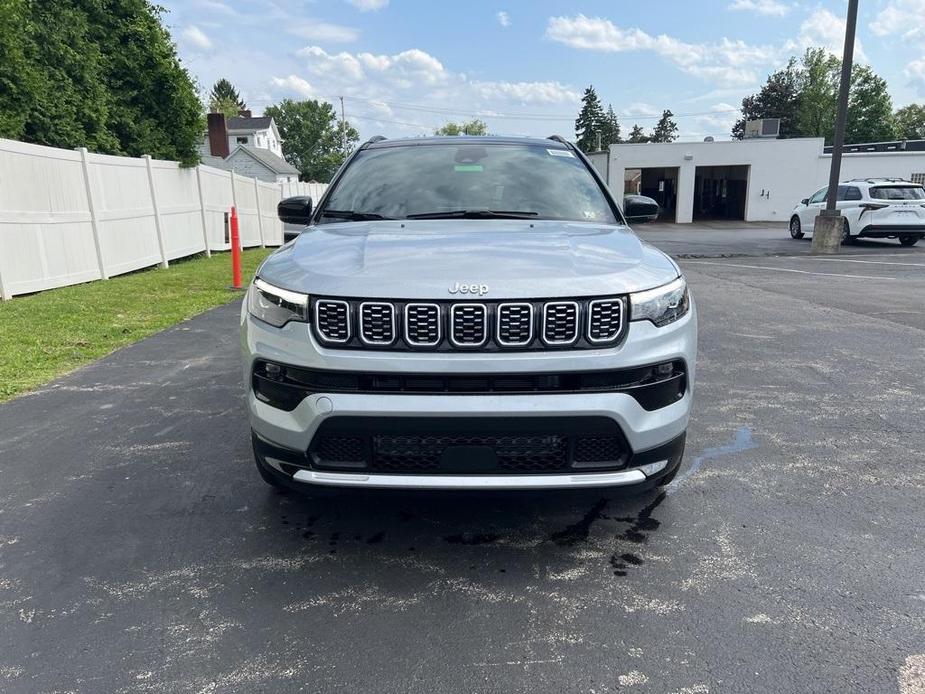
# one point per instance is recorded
(468, 167)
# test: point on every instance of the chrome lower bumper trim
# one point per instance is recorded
(577, 481)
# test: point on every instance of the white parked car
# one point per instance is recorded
(872, 207)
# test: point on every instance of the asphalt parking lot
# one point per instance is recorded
(139, 550)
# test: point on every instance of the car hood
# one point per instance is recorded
(425, 259)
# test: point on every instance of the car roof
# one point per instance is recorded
(466, 140)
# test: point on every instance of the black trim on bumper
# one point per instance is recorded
(882, 231)
(653, 387)
(469, 459)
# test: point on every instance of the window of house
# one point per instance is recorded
(919, 178)
(242, 140)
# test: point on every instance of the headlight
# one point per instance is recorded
(662, 305)
(274, 305)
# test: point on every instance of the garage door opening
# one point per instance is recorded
(660, 184)
(720, 192)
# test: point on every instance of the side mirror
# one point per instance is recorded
(804, 201)
(295, 210)
(639, 207)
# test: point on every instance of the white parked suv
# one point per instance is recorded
(872, 208)
(468, 313)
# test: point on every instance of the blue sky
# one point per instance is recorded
(407, 66)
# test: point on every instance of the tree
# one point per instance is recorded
(224, 98)
(99, 75)
(778, 98)
(637, 135)
(870, 108)
(910, 122)
(311, 135)
(610, 131)
(589, 125)
(666, 130)
(819, 78)
(472, 127)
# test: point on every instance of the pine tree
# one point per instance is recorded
(611, 129)
(666, 130)
(590, 122)
(224, 98)
(637, 135)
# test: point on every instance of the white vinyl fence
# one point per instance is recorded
(71, 216)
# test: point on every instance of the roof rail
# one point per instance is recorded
(558, 138)
(880, 179)
(373, 140)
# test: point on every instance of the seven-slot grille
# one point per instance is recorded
(377, 323)
(468, 325)
(483, 326)
(560, 323)
(515, 324)
(332, 318)
(422, 325)
(605, 320)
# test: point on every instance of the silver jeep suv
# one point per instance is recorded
(467, 313)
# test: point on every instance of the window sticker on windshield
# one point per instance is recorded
(468, 167)
(560, 153)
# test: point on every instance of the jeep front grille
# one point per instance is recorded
(537, 324)
(469, 325)
(560, 323)
(377, 323)
(332, 319)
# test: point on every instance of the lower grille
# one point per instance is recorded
(469, 445)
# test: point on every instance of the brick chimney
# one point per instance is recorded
(245, 113)
(218, 135)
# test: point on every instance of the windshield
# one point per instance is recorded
(897, 193)
(468, 180)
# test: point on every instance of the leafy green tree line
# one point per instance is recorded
(803, 94)
(101, 74)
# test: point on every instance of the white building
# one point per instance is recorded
(249, 146)
(755, 180)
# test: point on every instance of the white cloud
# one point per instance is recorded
(527, 92)
(293, 84)
(197, 37)
(904, 18)
(915, 71)
(769, 8)
(504, 19)
(727, 62)
(324, 32)
(640, 108)
(822, 28)
(369, 5)
(405, 69)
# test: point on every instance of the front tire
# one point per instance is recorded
(908, 239)
(796, 231)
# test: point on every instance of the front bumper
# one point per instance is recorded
(644, 430)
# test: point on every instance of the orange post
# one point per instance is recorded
(235, 251)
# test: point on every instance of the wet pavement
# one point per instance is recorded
(140, 551)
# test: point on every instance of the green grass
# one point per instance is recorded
(45, 335)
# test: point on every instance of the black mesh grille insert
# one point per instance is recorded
(332, 319)
(606, 320)
(598, 449)
(341, 449)
(422, 324)
(377, 323)
(560, 322)
(515, 324)
(514, 453)
(468, 325)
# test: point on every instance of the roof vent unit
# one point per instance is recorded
(708, 138)
(763, 127)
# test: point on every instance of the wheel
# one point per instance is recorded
(908, 239)
(796, 231)
(846, 237)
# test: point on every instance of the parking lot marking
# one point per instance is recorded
(785, 269)
(870, 262)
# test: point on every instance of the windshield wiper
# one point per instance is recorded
(353, 216)
(475, 214)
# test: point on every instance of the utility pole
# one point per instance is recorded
(343, 128)
(830, 225)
